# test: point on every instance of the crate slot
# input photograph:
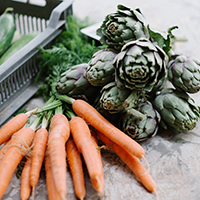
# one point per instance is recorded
(27, 24)
(18, 79)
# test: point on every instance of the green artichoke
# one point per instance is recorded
(184, 74)
(73, 83)
(140, 129)
(112, 98)
(122, 27)
(140, 65)
(100, 70)
(177, 109)
(112, 117)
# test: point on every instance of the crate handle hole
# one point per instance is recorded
(41, 3)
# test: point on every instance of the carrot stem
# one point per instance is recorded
(64, 98)
(70, 114)
(58, 110)
(36, 123)
(46, 107)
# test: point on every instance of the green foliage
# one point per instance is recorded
(163, 39)
(70, 48)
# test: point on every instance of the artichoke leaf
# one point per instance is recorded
(168, 116)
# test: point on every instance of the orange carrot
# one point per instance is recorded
(38, 152)
(132, 162)
(82, 138)
(17, 122)
(95, 119)
(95, 141)
(4, 150)
(13, 125)
(25, 181)
(76, 168)
(51, 188)
(59, 134)
(18, 146)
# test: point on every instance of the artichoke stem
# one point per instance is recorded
(133, 99)
(136, 113)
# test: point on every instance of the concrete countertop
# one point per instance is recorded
(174, 159)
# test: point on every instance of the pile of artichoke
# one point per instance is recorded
(127, 81)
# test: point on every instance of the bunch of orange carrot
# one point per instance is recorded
(58, 139)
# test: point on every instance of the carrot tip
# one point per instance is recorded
(63, 197)
(33, 193)
(147, 163)
(100, 188)
(157, 197)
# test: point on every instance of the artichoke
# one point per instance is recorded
(184, 74)
(112, 117)
(122, 27)
(140, 65)
(140, 129)
(100, 70)
(177, 109)
(112, 97)
(73, 83)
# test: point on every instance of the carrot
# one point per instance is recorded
(39, 146)
(82, 138)
(51, 188)
(95, 119)
(13, 125)
(132, 162)
(17, 122)
(18, 146)
(76, 168)
(38, 152)
(59, 134)
(4, 150)
(95, 142)
(25, 181)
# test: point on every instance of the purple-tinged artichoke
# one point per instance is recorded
(73, 83)
(122, 27)
(177, 109)
(140, 65)
(100, 70)
(184, 74)
(140, 129)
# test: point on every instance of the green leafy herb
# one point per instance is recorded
(70, 48)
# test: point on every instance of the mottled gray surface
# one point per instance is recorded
(174, 159)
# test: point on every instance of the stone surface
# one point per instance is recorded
(174, 159)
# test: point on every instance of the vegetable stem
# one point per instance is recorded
(59, 110)
(47, 107)
(64, 98)
(9, 9)
(36, 123)
(136, 113)
(133, 99)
